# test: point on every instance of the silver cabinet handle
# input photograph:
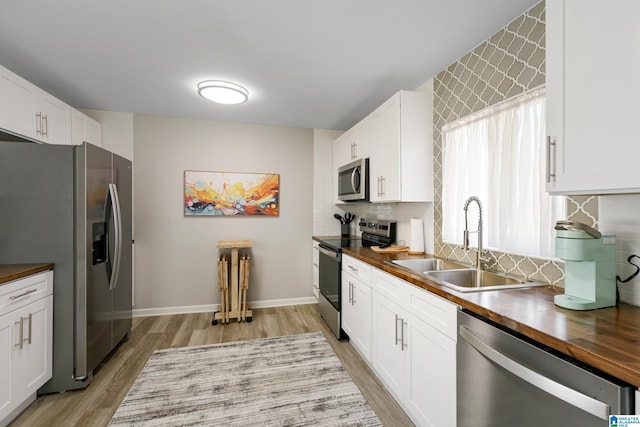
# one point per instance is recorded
(403, 345)
(352, 267)
(398, 340)
(21, 335)
(24, 294)
(355, 150)
(353, 293)
(551, 176)
(382, 180)
(38, 123)
(28, 339)
(45, 125)
(562, 392)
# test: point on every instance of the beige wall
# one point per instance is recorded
(176, 255)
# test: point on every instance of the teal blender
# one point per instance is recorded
(590, 266)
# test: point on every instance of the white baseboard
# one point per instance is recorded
(163, 311)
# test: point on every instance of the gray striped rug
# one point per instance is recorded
(294, 380)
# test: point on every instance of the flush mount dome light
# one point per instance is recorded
(223, 92)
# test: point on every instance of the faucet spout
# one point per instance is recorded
(465, 240)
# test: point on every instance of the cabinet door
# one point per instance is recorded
(348, 310)
(361, 299)
(384, 163)
(430, 388)
(31, 364)
(55, 121)
(85, 129)
(360, 140)
(592, 110)
(388, 355)
(17, 104)
(6, 345)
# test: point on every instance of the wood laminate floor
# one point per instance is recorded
(95, 405)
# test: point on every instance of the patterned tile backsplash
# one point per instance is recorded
(509, 63)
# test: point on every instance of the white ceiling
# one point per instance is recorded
(307, 63)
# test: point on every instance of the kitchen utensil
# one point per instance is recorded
(339, 218)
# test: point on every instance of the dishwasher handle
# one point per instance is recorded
(562, 392)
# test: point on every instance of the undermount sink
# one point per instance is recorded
(474, 280)
(421, 265)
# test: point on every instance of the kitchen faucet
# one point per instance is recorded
(465, 242)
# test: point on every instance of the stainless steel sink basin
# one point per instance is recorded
(473, 280)
(420, 265)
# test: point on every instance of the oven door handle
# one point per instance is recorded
(560, 391)
(329, 252)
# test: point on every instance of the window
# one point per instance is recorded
(498, 155)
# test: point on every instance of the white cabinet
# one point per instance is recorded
(401, 156)
(592, 108)
(356, 304)
(30, 112)
(85, 129)
(348, 147)
(315, 269)
(26, 315)
(352, 145)
(414, 349)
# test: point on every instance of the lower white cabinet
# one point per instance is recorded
(356, 304)
(356, 314)
(26, 315)
(414, 355)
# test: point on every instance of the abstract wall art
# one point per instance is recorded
(231, 194)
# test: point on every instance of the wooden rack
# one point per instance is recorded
(236, 277)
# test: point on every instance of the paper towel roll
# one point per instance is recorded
(416, 237)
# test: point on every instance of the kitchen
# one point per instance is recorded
(163, 150)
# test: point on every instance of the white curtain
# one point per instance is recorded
(498, 156)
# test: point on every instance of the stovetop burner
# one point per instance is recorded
(375, 232)
(338, 244)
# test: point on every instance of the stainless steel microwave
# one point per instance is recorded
(353, 181)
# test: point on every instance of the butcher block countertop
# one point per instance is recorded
(10, 272)
(607, 339)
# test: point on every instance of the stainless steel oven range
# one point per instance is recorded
(375, 232)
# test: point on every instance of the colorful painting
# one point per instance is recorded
(226, 193)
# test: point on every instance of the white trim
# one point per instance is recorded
(162, 311)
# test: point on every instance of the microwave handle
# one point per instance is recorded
(353, 179)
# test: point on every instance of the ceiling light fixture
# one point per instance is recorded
(223, 92)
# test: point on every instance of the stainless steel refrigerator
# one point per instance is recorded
(72, 205)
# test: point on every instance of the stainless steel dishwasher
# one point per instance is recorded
(504, 380)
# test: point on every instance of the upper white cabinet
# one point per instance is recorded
(348, 147)
(85, 129)
(401, 156)
(30, 112)
(592, 67)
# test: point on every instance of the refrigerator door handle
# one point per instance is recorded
(117, 225)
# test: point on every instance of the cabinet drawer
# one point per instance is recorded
(439, 313)
(21, 292)
(390, 286)
(358, 269)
